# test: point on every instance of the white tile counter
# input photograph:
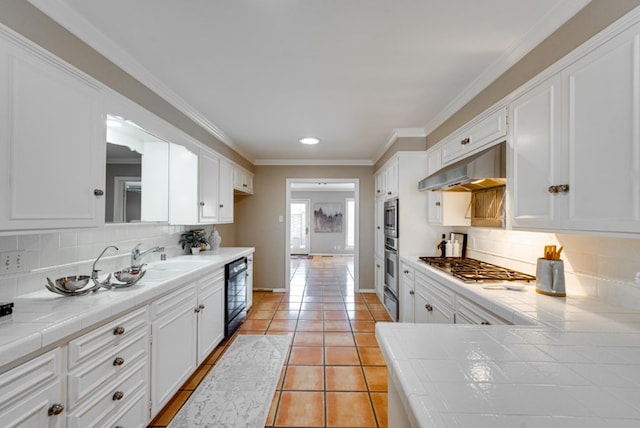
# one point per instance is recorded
(576, 363)
(42, 319)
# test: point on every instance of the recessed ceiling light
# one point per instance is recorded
(309, 140)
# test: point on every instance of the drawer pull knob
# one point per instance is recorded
(118, 361)
(428, 307)
(553, 189)
(201, 306)
(465, 141)
(563, 188)
(118, 395)
(98, 192)
(202, 204)
(56, 409)
(118, 331)
(485, 323)
(412, 292)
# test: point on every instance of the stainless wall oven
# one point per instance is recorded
(391, 260)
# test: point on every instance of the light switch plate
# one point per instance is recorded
(13, 262)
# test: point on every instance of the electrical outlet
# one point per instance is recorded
(13, 261)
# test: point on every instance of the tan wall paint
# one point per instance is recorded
(258, 226)
(592, 19)
(30, 22)
(404, 144)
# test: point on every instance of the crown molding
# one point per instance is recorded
(400, 133)
(312, 162)
(540, 31)
(81, 28)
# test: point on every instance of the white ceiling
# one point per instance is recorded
(354, 73)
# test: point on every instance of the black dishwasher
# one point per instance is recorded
(235, 275)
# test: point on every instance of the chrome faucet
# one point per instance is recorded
(136, 255)
(94, 271)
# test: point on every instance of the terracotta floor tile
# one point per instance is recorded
(333, 307)
(381, 315)
(366, 339)
(338, 339)
(308, 338)
(283, 325)
(337, 325)
(360, 315)
(289, 306)
(376, 307)
(379, 400)
(255, 325)
(304, 378)
(306, 356)
(331, 296)
(310, 325)
(370, 298)
(266, 306)
(281, 378)
(169, 411)
(300, 409)
(376, 378)
(371, 357)
(345, 378)
(311, 306)
(349, 409)
(341, 356)
(335, 315)
(363, 326)
(310, 298)
(286, 315)
(271, 417)
(311, 315)
(260, 315)
(356, 306)
(215, 355)
(195, 379)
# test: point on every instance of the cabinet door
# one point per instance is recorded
(379, 230)
(603, 137)
(242, 181)
(536, 156)
(407, 293)
(391, 179)
(379, 278)
(52, 144)
(225, 205)
(249, 282)
(210, 314)
(183, 185)
(380, 183)
(173, 346)
(29, 392)
(208, 185)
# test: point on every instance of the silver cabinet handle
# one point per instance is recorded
(412, 292)
(428, 307)
(485, 323)
(553, 189)
(118, 395)
(563, 188)
(465, 141)
(118, 361)
(55, 409)
(202, 204)
(98, 192)
(118, 331)
(405, 271)
(437, 204)
(201, 306)
(221, 206)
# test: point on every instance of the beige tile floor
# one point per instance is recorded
(335, 375)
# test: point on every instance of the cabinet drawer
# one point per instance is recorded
(213, 280)
(134, 414)
(406, 272)
(29, 379)
(107, 367)
(434, 289)
(105, 404)
(177, 299)
(105, 337)
(474, 137)
(468, 312)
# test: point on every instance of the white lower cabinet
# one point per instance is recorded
(433, 303)
(210, 306)
(108, 368)
(32, 394)
(407, 293)
(249, 282)
(468, 312)
(173, 343)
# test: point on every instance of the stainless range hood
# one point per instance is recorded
(483, 170)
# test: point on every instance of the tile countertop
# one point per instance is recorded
(568, 362)
(43, 319)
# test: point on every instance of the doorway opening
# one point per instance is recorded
(321, 221)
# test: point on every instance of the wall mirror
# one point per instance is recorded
(137, 182)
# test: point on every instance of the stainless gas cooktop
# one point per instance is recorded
(472, 270)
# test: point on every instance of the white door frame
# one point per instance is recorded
(356, 249)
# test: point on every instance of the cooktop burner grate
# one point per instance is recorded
(472, 270)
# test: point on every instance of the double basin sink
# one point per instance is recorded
(166, 270)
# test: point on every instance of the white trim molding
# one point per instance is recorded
(312, 162)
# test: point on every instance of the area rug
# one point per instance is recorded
(239, 389)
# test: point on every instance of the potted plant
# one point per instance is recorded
(193, 240)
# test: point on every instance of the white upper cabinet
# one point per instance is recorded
(575, 144)
(445, 208)
(208, 193)
(52, 144)
(225, 203)
(183, 185)
(242, 181)
(476, 135)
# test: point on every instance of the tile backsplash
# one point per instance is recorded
(595, 266)
(72, 252)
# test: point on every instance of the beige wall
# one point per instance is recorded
(257, 219)
(404, 144)
(27, 20)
